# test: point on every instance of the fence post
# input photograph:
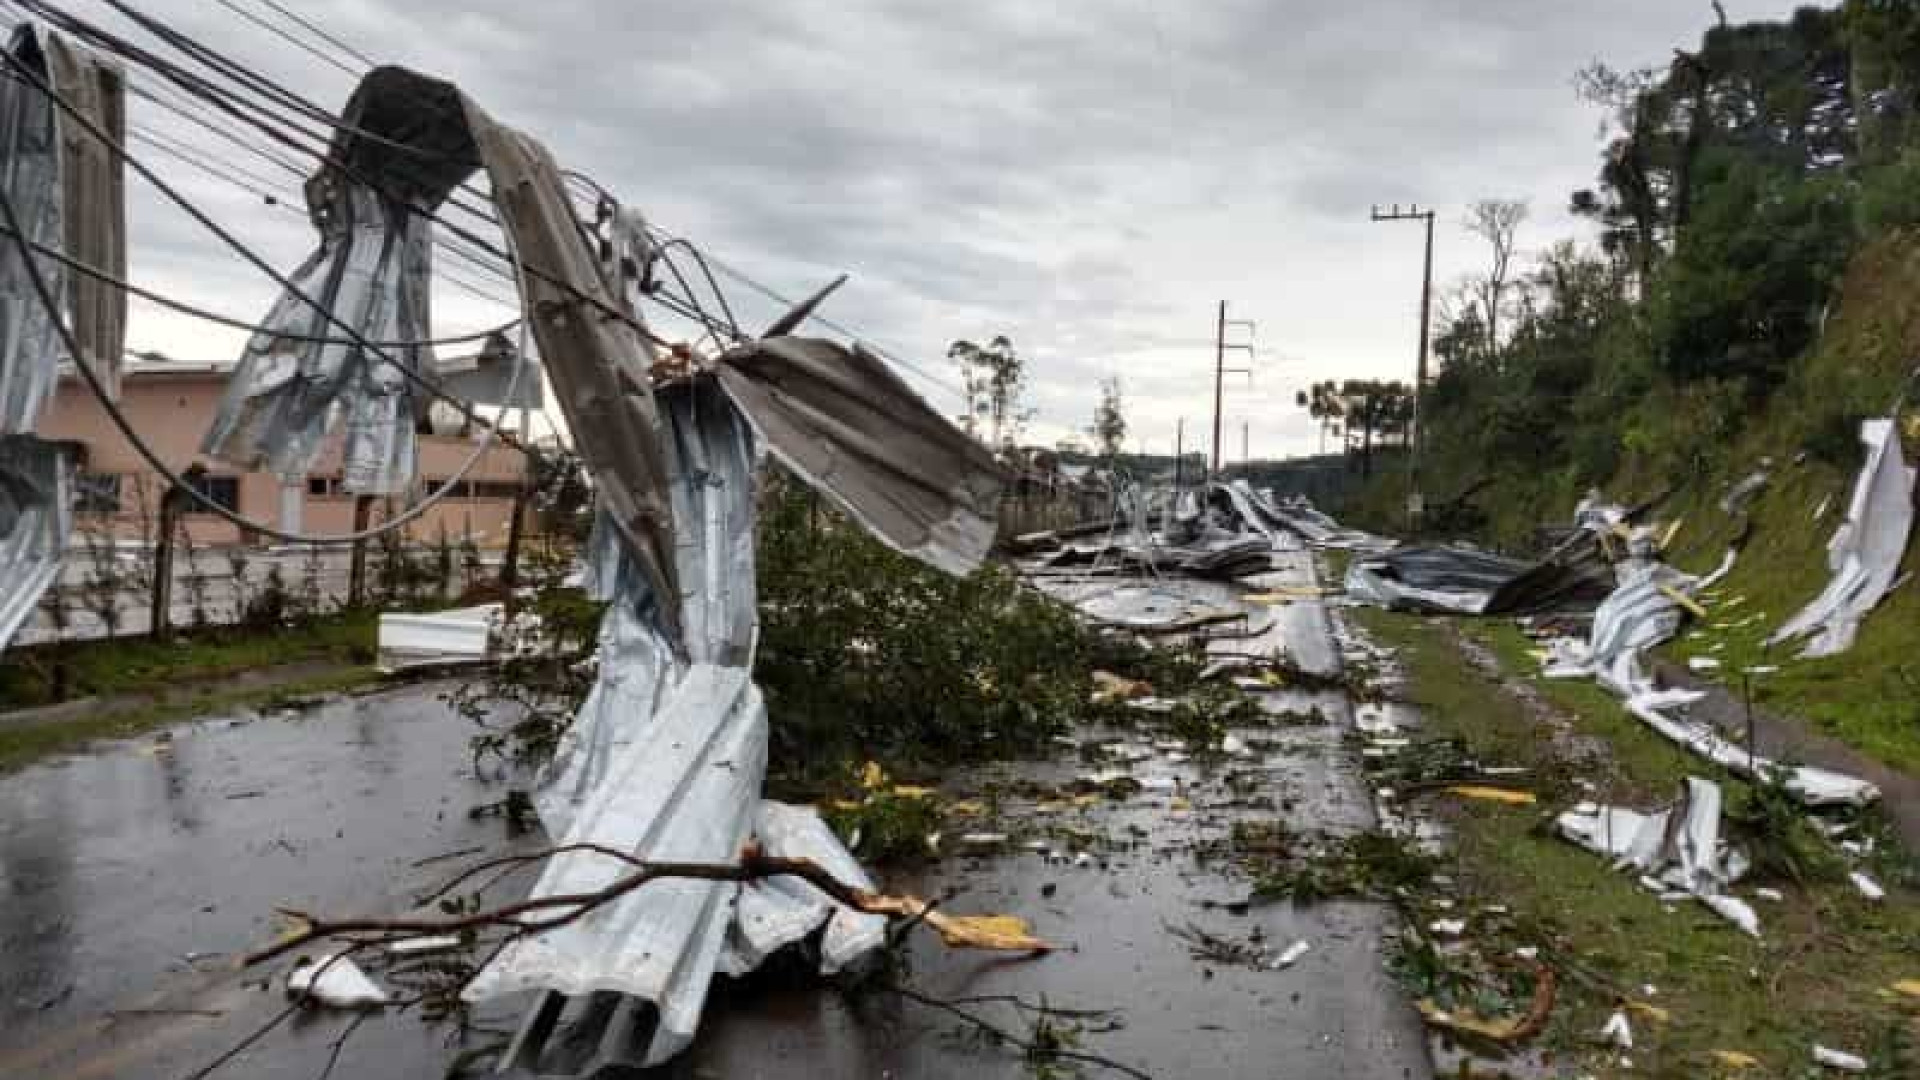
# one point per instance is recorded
(160, 609)
(357, 568)
(510, 562)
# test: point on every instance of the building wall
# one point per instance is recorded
(172, 410)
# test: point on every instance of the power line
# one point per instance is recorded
(52, 306)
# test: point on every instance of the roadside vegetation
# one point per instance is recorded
(1750, 299)
(1702, 998)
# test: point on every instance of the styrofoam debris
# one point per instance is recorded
(339, 983)
(1703, 663)
(1617, 1031)
(415, 946)
(1448, 927)
(1868, 887)
(1292, 954)
(1839, 1059)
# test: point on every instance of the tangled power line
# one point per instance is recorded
(232, 102)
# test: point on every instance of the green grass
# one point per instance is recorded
(23, 744)
(1868, 696)
(1817, 974)
(140, 664)
(145, 684)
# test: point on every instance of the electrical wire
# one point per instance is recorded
(239, 247)
(179, 483)
(689, 307)
(229, 321)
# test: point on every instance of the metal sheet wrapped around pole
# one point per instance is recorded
(598, 362)
(95, 187)
(30, 170)
(372, 272)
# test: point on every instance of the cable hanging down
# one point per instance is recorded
(178, 482)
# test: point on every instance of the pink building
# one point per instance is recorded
(171, 403)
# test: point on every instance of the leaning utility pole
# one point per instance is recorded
(1416, 503)
(1221, 370)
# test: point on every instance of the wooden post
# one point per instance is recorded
(160, 610)
(510, 563)
(357, 568)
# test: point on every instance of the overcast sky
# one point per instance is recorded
(1088, 178)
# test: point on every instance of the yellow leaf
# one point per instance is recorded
(1650, 1011)
(966, 809)
(1086, 800)
(1495, 794)
(1179, 802)
(872, 776)
(909, 791)
(1734, 1059)
(1908, 987)
(1003, 933)
(846, 804)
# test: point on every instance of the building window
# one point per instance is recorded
(223, 491)
(325, 487)
(97, 493)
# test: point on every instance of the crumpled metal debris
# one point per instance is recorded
(1645, 611)
(1678, 848)
(1453, 580)
(1865, 552)
(302, 373)
(67, 189)
(36, 519)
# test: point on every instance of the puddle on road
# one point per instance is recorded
(130, 874)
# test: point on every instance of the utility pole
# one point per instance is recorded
(1416, 502)
(1246, 459)
(1179, 453)
(1221, 370)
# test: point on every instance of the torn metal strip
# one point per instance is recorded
(30, 348)
(36, 521)
(852, 428)
(94, 189)
(1865, 552)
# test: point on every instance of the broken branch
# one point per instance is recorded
(1002, 933)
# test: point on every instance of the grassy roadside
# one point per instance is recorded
(142, 684)
(22, 744)
(1820, 972)
(30, 676)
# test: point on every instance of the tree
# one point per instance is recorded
(1109, 428)
(1369, 408)
(994, 378)
(1323, 402)
(1496, 221)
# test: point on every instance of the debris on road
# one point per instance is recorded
(335, 980)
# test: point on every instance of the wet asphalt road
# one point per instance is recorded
(128, 876)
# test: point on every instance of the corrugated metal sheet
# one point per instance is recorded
(30, 169)
(1865, 552)
(844, 421)
(36, 518)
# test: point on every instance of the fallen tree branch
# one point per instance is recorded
(536, 914)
